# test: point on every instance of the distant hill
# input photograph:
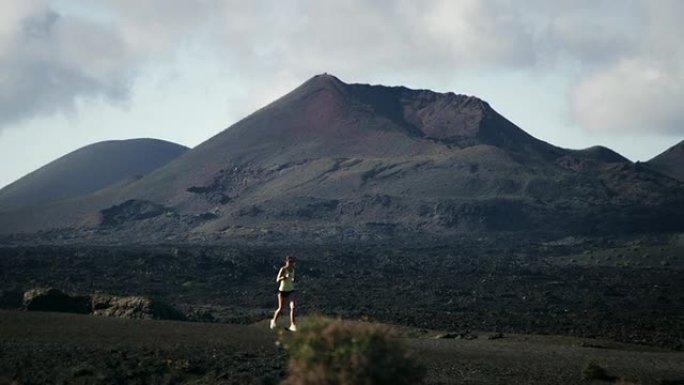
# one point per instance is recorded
(670, 162)
(356, 162)
(89, 169)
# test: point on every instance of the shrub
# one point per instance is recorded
(592, 371)
(336, 352)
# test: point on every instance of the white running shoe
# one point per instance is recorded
(273, 324)
(293, 328)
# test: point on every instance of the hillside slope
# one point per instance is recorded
(89, 169)
(353, 162)
(670, 162)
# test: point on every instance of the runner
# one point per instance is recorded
(286, 292)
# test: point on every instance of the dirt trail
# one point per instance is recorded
(67, 348)
(542, 360)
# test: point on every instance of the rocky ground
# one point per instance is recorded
(600, 292)
(628, 290)
(38, 348)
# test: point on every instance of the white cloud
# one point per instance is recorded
(593, 34)
(632, 96)
(11, 16)
(641, 89)
(355, 36)
(471, 32)
(50, 58)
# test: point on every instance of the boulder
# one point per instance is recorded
(134, 307)
(137, 307)
(51, 299)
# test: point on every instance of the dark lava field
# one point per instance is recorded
(627, 290)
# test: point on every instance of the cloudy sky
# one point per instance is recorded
(575, 73)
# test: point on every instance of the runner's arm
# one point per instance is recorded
(280, 276)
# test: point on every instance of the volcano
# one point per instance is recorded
(670, 162)
(89, 169)
(355, 162)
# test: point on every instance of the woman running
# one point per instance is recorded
(286, 292)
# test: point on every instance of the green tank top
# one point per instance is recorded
(287, 284)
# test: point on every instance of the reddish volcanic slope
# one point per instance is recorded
(332, 160)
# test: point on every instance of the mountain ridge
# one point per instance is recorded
(331, 160)
(88, 169)
(670, 162)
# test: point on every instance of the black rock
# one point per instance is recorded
(51, 299)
